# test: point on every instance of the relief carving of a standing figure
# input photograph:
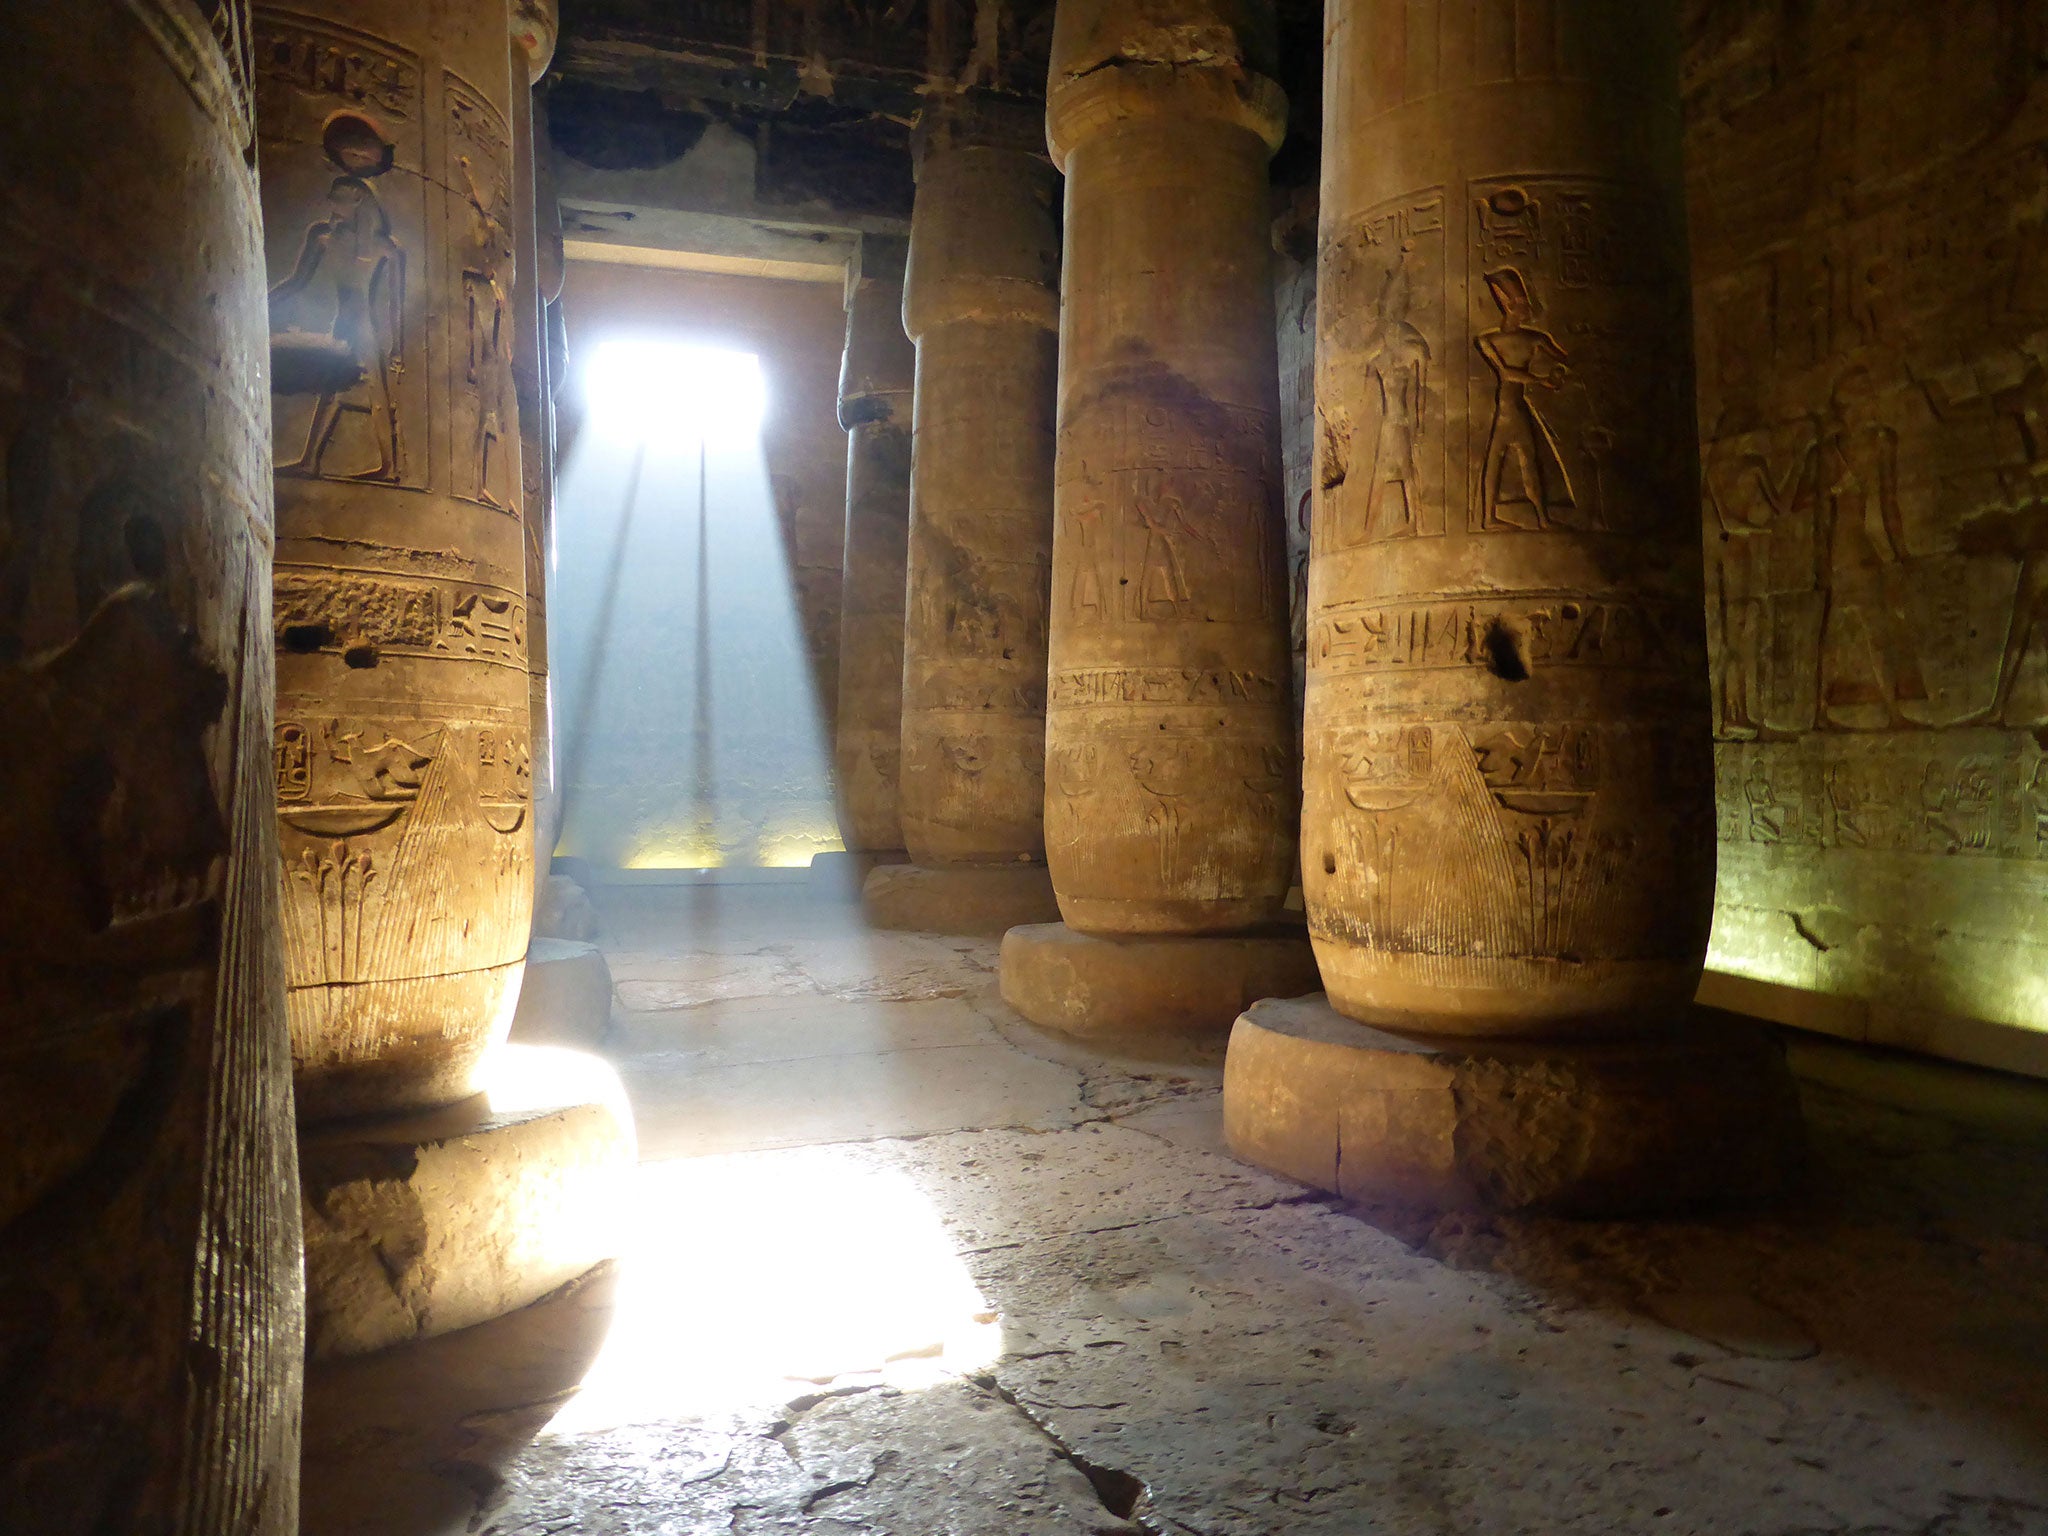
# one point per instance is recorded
(1870, 667)
(487, 306)
(1396, 358)
(1163, 578)
(349, 281)
(1523, 357)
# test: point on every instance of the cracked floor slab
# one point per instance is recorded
(906, 1266)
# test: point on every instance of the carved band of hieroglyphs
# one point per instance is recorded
(1097, 687)
(321, 59)
(1985, 794)
(329, 611)
(1382, 441)
(962, 696)
(1170, 516)
(1539, 630)
(1577, 407)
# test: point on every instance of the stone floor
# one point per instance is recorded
(904, 1266)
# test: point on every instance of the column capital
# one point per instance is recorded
(879, 370)
(1118, 60)
(536, 26)
(984, 239)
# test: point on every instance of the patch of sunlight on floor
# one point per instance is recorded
(752, 1278)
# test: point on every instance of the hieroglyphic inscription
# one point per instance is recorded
(340, 611)
(1575, 369)
(1542, 630)
(1381, 447)
(1973, 793)
(1168, 514)
(1097, 686)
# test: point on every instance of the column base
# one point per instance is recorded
(984, 900)
(566, 998)
(839, 876)
(1186, 985)
(424, 1223)
(1698, 1110)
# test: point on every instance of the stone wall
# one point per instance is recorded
(1869, 201)
(643, 792)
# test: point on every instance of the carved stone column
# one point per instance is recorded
(981, 301)
(1509, 819)
(875, 385)
(151, 1312)
(534, 28)
(402, 750)
(1170, 777)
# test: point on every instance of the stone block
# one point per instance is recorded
(567, 996)
(1089, 986)
(840, 875)
(987, 899)
(1700, 1111)
(421, 1224)
(563, 911)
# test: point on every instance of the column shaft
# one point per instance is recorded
(1509, 790)
(875, 389)
(1171, 788)
(151, 1310)
(981, 302)
(403, 752)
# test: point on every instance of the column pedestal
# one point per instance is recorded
(1697, 1109)
(986, 900)
(421, 1224)
(566, 998)
(1089, 986)
(842, 876)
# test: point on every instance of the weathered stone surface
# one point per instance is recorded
(421, 1224)
(1170, 773)
(402, 752)
(1084, 984)
(563, 911)
(1871, 403)
(981, 301)
(876, 385)
(565, 995)
(1693, 1111)
(842, 875)
(408, 1441)
(1220, 1351)
(1508, 789)
(988, 899)
(150, 1307)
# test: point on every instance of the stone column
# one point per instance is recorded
(390, 180)
(404, 765)
(875, 384)
(151, 1312)
(1509, 820)
(981, 301)
(1170, 777)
